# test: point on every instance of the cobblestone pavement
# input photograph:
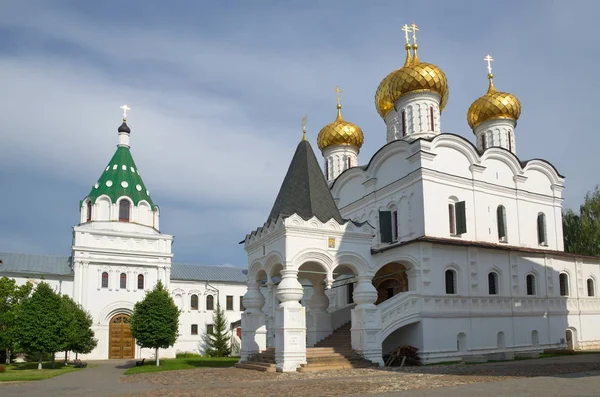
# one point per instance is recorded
(224, 382)
(546, 377)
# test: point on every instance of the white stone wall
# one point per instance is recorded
(338, 159)
(417, 108)
(105, 210)
(419, 180)
(497, 133)
(182, 292)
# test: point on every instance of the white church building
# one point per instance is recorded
(448, 246)
(453, 247)
(118, 254)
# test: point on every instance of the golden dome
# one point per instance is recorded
(493, 105)
(340, 132)
(414, 76)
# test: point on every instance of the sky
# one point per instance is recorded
(218, 91)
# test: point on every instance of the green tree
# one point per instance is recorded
(11, 300)
(155, 320)
(78, 336)
(582, 231)
(39, 322)
(216, 343)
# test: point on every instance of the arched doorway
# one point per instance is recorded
(390, 280)
(121, 343)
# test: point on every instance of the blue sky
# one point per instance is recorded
(218, 89)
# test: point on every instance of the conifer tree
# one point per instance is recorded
(217, 342)
(155, 320)
(40, 322)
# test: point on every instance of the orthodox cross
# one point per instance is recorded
(406, 29)
(125, 109)
(338, 91)
(414, 29)
(489, 60)
(304, 128)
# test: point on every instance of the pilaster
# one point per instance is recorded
(290, 323)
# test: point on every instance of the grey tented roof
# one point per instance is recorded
(35, 264)
(41, 265)
(208, 273)
(304, 190)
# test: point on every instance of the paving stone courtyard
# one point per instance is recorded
(568, 375)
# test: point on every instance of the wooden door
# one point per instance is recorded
(121, 344)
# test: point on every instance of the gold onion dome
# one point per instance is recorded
(493, 105)
(414, 76)
(340, 132)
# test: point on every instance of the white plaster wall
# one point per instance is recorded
(337, 157)
(416, 106)
(104, 210)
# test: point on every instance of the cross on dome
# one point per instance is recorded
(489, 60)
(414, 29)
(304, 128)
(406, 29)
(338, 91)
(125, 109)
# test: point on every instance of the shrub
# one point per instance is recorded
(188, 355)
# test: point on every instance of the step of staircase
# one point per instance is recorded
(332, 353)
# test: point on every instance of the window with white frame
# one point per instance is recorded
(450, 279)
(501, 222)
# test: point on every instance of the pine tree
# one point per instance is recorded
(155, 320)
(217, 342)
(39, 322)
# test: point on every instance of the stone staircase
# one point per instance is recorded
(333, 352)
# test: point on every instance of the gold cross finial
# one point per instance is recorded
(414, 30)
(406, 29)
(125, 109)
(304, 128)
(489, 60)
(338, 91)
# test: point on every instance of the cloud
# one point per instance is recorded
(217, 94)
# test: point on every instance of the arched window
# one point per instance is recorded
(394, 225)
(105, 280)
(493, 283)
(500, 340)
(452, 219)
(89, 211)
(326, 169)
(140, 281)
(349, 162)
(483, 142)
(530, 281)
(510, 140)
(431, 119)
(123, 281)
(501, 221)
(210, 302)
(541, 229)
(403, 123)
(457, 217)
(450, 281)
(461, 342)
(124, 209)
(194, 302)
(590, 287)
(563, 282)
(535, 338)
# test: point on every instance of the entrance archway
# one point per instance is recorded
(390, 280)
(121, 343)
(571, 339)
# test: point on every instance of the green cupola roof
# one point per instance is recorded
(121, 177)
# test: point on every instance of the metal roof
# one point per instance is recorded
(35, 264)
(61, 265)
(208, 273)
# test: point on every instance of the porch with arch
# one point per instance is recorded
(288, 306)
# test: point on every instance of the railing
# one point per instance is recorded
(409, 307)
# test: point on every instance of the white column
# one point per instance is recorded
(366, 322)
(290, 323)
(318, 319)
(270, 313)
(77, 273)
(85, 267)
(253, 323)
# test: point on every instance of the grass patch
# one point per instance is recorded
(29, 371)
(184, 363)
